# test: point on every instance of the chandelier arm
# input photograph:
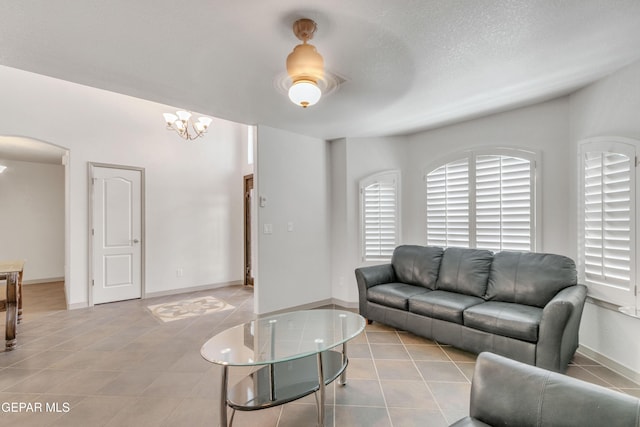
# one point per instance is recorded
(182, 133)
(198, 133)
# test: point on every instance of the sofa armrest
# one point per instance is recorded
(372, 276)
(498, 398)
(558, 334)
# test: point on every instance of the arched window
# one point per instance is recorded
(607, 251)
(483, 200)
(379, 215)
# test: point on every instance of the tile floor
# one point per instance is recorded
(117, 365)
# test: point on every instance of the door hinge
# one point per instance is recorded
(637, 161)
(93, 232)
(93, 282)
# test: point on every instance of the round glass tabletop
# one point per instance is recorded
(282, 337)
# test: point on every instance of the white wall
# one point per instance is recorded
(294, 266)
(610, 107)
(351, 160)
(541, 127)
(193, 189)
(32, 218)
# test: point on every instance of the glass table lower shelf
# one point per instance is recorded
(295, 354)
(284, 382)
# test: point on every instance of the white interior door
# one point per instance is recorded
(116, 234)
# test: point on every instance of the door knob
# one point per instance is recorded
(136, 241)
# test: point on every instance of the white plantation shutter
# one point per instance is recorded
(380, 217)
(504, 203)
(608, 225)
(484, 200)
(448, 205)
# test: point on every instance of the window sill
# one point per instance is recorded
(630, 311)
(626, 310)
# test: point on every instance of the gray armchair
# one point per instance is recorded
(509, 393)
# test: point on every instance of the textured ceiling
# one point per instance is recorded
(407, 65)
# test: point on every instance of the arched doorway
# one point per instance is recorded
(34, 218)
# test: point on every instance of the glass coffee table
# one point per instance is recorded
(295, 353)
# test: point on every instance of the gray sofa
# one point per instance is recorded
(523, 305)
(498, 398)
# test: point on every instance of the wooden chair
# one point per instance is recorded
(11, 272)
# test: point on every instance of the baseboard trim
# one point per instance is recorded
(345, 304)
(77, 305)
(312, 305)
(191, 289)
(36, 281)
(309, 306)
(609, 363)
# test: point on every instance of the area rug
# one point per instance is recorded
(168, 312)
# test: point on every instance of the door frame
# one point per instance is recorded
(90, 169)
(248, 278)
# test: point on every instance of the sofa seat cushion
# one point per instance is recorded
(394, 295)
(442, 305)
(507, 319)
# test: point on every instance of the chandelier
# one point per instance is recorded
(305, 66)
(183, 124)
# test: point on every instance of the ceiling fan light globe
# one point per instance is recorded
(304, 93)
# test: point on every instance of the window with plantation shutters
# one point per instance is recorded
(379, 215)
(504, 203)
(483, 200)
(448, 205)
(607, 256)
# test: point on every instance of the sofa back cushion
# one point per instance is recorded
(529, 278)
(465, 271)
(417, 265)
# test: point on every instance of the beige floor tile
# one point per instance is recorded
(173, 384)
(389, 351)
(92, 411)
(426, 352)
(362, 416)
(383, 338)
(453, 399)
(44, 381)
(409, 338)
(82, 383)
(396, 369)
(408, 394)
(129, 383)
(361, 369)
(360, 393)
(115, 364)
(12, 376)
(417, 417)
(440, 371)
(144, 411)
